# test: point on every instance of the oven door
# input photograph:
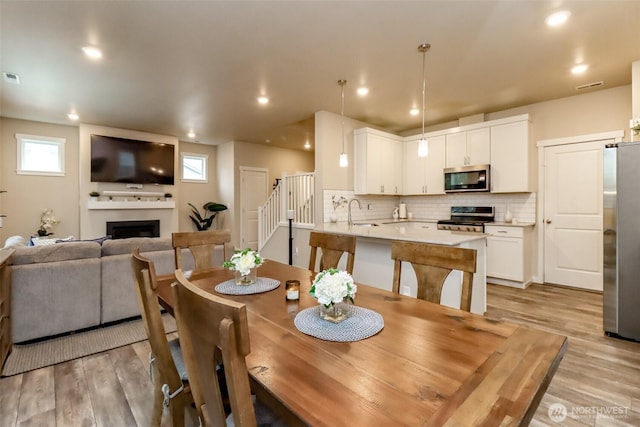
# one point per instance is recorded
(467, 178)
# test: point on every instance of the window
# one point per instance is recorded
(194, 167)
(40, 155)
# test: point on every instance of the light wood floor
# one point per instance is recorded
(598, 374)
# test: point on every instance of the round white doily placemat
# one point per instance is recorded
(263, 284)
(362, 323)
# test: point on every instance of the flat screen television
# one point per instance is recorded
(131, 161)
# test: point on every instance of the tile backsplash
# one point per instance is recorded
(521, 205)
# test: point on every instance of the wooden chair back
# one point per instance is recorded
(332, 247)
(208, 326)
(201, 244)
(164, 368)
(432, 264)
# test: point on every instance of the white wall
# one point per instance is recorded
(197, 193)
(29, 195)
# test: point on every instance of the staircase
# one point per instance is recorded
(293, 198)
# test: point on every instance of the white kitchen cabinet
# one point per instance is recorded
(471, 147)
(512, 157)
(509, 253)
(378, 162)
(424, 175)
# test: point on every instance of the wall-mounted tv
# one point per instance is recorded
(131, 161)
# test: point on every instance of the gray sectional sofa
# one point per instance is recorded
(75, 285)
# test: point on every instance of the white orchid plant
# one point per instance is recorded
(47, 221)
(331, 286)
(243, 261)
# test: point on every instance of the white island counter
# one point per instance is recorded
(374, 266)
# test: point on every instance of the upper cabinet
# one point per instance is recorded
(378, 161)
(471, 147)
(423, 175)
(512, 157)
(388, 164)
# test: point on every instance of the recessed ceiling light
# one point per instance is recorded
(579, 69)
(263, 100)
(558, 18)
(363, 91)
(92, 52)
(191, 134)
(73, 116)
(414, 111)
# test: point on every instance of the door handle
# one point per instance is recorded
(548, 221)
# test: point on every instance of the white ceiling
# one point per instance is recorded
(170, 66)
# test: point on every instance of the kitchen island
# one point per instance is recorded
(374, 266)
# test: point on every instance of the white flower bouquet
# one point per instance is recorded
(332, 286)
(243, 261)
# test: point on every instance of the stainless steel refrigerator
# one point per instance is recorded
(621, 217)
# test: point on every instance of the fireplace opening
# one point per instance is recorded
(126, 229)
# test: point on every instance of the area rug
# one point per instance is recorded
(32, 356)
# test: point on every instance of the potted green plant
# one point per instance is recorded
(204, 221)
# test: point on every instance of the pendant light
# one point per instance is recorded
(423, 144)
(344, 160)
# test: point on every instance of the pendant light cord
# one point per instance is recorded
(424, 88)
(423, 48)
(342, 83)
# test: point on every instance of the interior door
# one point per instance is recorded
(573, 214)
(253, 194)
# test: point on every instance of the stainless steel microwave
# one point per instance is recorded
(467, 178)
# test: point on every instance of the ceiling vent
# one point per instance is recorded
(11, 78)
(590, 85)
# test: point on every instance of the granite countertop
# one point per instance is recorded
(414, 231)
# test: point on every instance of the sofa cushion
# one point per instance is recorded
(55, 253)
(119, 297)
(126, 246)
(54, 297)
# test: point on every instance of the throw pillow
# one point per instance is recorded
(15, 242)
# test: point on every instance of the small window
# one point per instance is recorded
(194, 167)
(40, 155)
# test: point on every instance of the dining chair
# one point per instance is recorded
(169, 376)
(332, 246)
(202, 245)
(432, 264)
(212, 330)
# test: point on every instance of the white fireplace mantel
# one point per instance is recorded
(131, 204)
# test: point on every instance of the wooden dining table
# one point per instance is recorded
(430, 365)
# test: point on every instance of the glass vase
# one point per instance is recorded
(336, 312)
(247, 279)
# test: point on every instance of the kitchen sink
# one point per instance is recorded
(365, 224)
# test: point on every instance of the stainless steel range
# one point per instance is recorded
(468, 218)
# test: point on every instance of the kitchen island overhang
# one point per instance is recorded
(374, 266)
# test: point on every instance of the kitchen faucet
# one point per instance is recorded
(349, 221)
